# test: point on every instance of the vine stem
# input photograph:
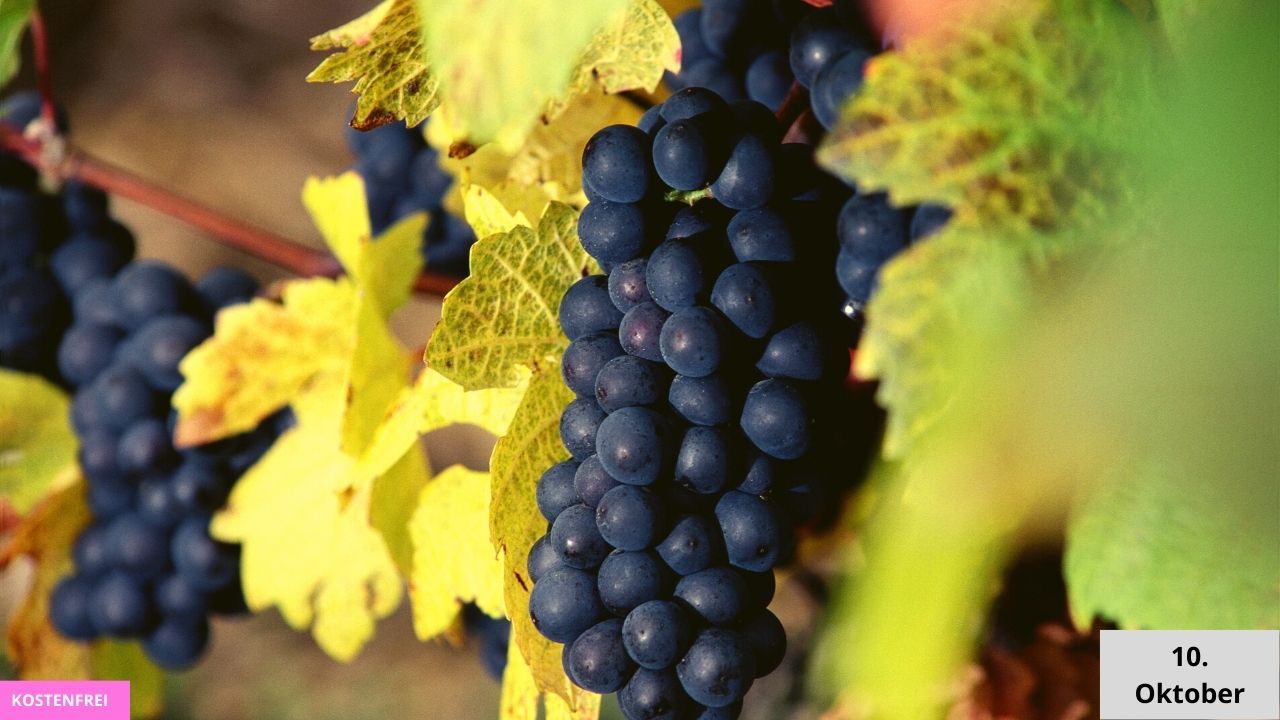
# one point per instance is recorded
(226, 230)
(818, 3)
(793, 105)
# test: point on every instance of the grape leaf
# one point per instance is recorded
(14, 16)
(45, 537)
(498, 89)
(520, 696)
(432, 403)
(37, 445)
(1015, 120)
(453, 562)
(1148, 550)
(519, 459)
(547, 167)
(382, 52)
(407, 59)
(302, 516)
(941, 305)
(487, 215)
(264, 355)
(503, 317)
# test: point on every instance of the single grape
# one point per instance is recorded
(837, 82)
(578, 427)
(656, 633)
(542, 559)
(762, 475)
(630, 517)
(761, 234)
(652, 695)
(693, 544)
(177, 643)
(753, 530)
(693, 102)
(627, 579)
(747, 180)
(614, 161)
(684, 154)
(586, 308)
(146, 289)
(640, 331)
(928, 219)
(703, 400)
(769, 78)
(225, 286)
(795, 352)
(627, 381)
(137, 547)
(92, 551)
(176, 597)
(818, 40)
(627, 287)
(776, 418)
(555, 489)
(612, 233)
(84, 258)
(86, 350)
(596, 661)
(198, 487)
(716, 594)
(693, 341)
(718, 669)
(143, 446)
(675, 275)
(871, 228)
(705, 462)
(633, 445)
(122, 396)
(159, 345)
(120, 606)
(767, 639)
(564, 603)
(204, 562)
(576, 539)
(69, 608)
(749, 298)
(591, 482)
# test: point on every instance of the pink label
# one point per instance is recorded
(64, 700)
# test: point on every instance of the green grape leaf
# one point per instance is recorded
(1146, 550)
(37, 445)
(14, 16)
(382, 52)
(409, 59)
(1015, 121)
(453, 562)
(519, 459)
(497, 90)
(501, 321)
(941, 303)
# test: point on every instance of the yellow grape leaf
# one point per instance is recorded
(504, 315)
(264, 355)
(515, 524)
(486, 215)
(386, 267)
(432, 403)
(497, 90)
(309, 549)
(546, 168)
(453, 562)
(379, 372)
(37, 445)
(406, 59)
(1015, 119)
(382, 52)
(45, 537)
(395, 492)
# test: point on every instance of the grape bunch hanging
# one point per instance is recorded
(76, 307)
(705, 372)
(402, 175)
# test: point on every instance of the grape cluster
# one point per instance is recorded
(705, 373)
(738, 48)
(50, 245)
(829, 50)
(147, 567)
(402, 176)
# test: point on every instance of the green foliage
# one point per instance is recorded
(37, 445)
(14, 17)
(501, 322)
(1016, 121)
(1152, 549)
